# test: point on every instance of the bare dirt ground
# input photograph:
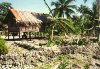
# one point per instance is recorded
(31, 55)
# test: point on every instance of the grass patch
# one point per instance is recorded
(3, 47)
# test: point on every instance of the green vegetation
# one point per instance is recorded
(57, 41)
(4, 7)
(86, 66)
(59, 62)
(63, 8)
(79, 42)
(87, 20)
(64, 62)
(3, 47)
(64, 21)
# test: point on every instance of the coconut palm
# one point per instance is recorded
(48, 6)
(63, 24)
(88, 18)
(98, 9)
(63, 8)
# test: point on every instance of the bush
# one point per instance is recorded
(50, 43)
(64, 62)
(79, 42)
(56, 41)
(3, 48)
(86, 66)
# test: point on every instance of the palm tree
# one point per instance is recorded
(92, 13)
(98, 9)
(63, 8)
(65, 25)
(59, 22)
(48, 6)
(88, 18)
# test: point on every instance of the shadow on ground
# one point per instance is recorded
(26, 46)
(19, 39)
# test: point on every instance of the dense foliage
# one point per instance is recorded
(4, 7)
(64, 21)
(86, 23)
(3, 48)
(63, 8)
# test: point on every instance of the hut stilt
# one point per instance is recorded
(19, 34)
(30, 36)
(8, 35)
(13, 35)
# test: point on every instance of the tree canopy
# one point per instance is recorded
(4, 7)
(63, 8)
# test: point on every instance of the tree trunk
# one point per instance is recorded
(48, 7)
(52, 32)
(52, 27)
(99, 21)
(98, 9)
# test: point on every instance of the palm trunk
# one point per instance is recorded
(99, 18)
(52, 33)
(52, 27)
(98, 9)
(48, 7)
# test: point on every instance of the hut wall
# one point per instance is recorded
(30, 29)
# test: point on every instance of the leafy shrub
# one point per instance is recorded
(64, 62)
(79, 42)
(50, 43)
(3, 48)
(86, 66)
(56, 41)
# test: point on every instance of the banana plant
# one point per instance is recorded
(60, 22)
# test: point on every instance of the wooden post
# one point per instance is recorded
(8, 35)
(30, 35)
(35, 34)
(19, 34)
(13, 35)
(52, 33)
(98, 9)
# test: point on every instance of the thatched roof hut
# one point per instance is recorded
(24, 21)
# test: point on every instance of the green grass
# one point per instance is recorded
(3, 47)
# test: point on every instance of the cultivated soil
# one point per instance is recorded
(36, 55)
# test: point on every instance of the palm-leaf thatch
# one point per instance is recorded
(25, 21)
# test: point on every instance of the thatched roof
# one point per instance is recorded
(28, 18)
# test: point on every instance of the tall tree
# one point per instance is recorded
(63, 8)
(87, 19)
(4, 7)
(58, 22)
(48, 7)
(98, 9)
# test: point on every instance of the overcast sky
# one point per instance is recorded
(38, 5)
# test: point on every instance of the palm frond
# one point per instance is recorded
(65, 24)
(62, 1)
(69, 1)
(72, 6)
